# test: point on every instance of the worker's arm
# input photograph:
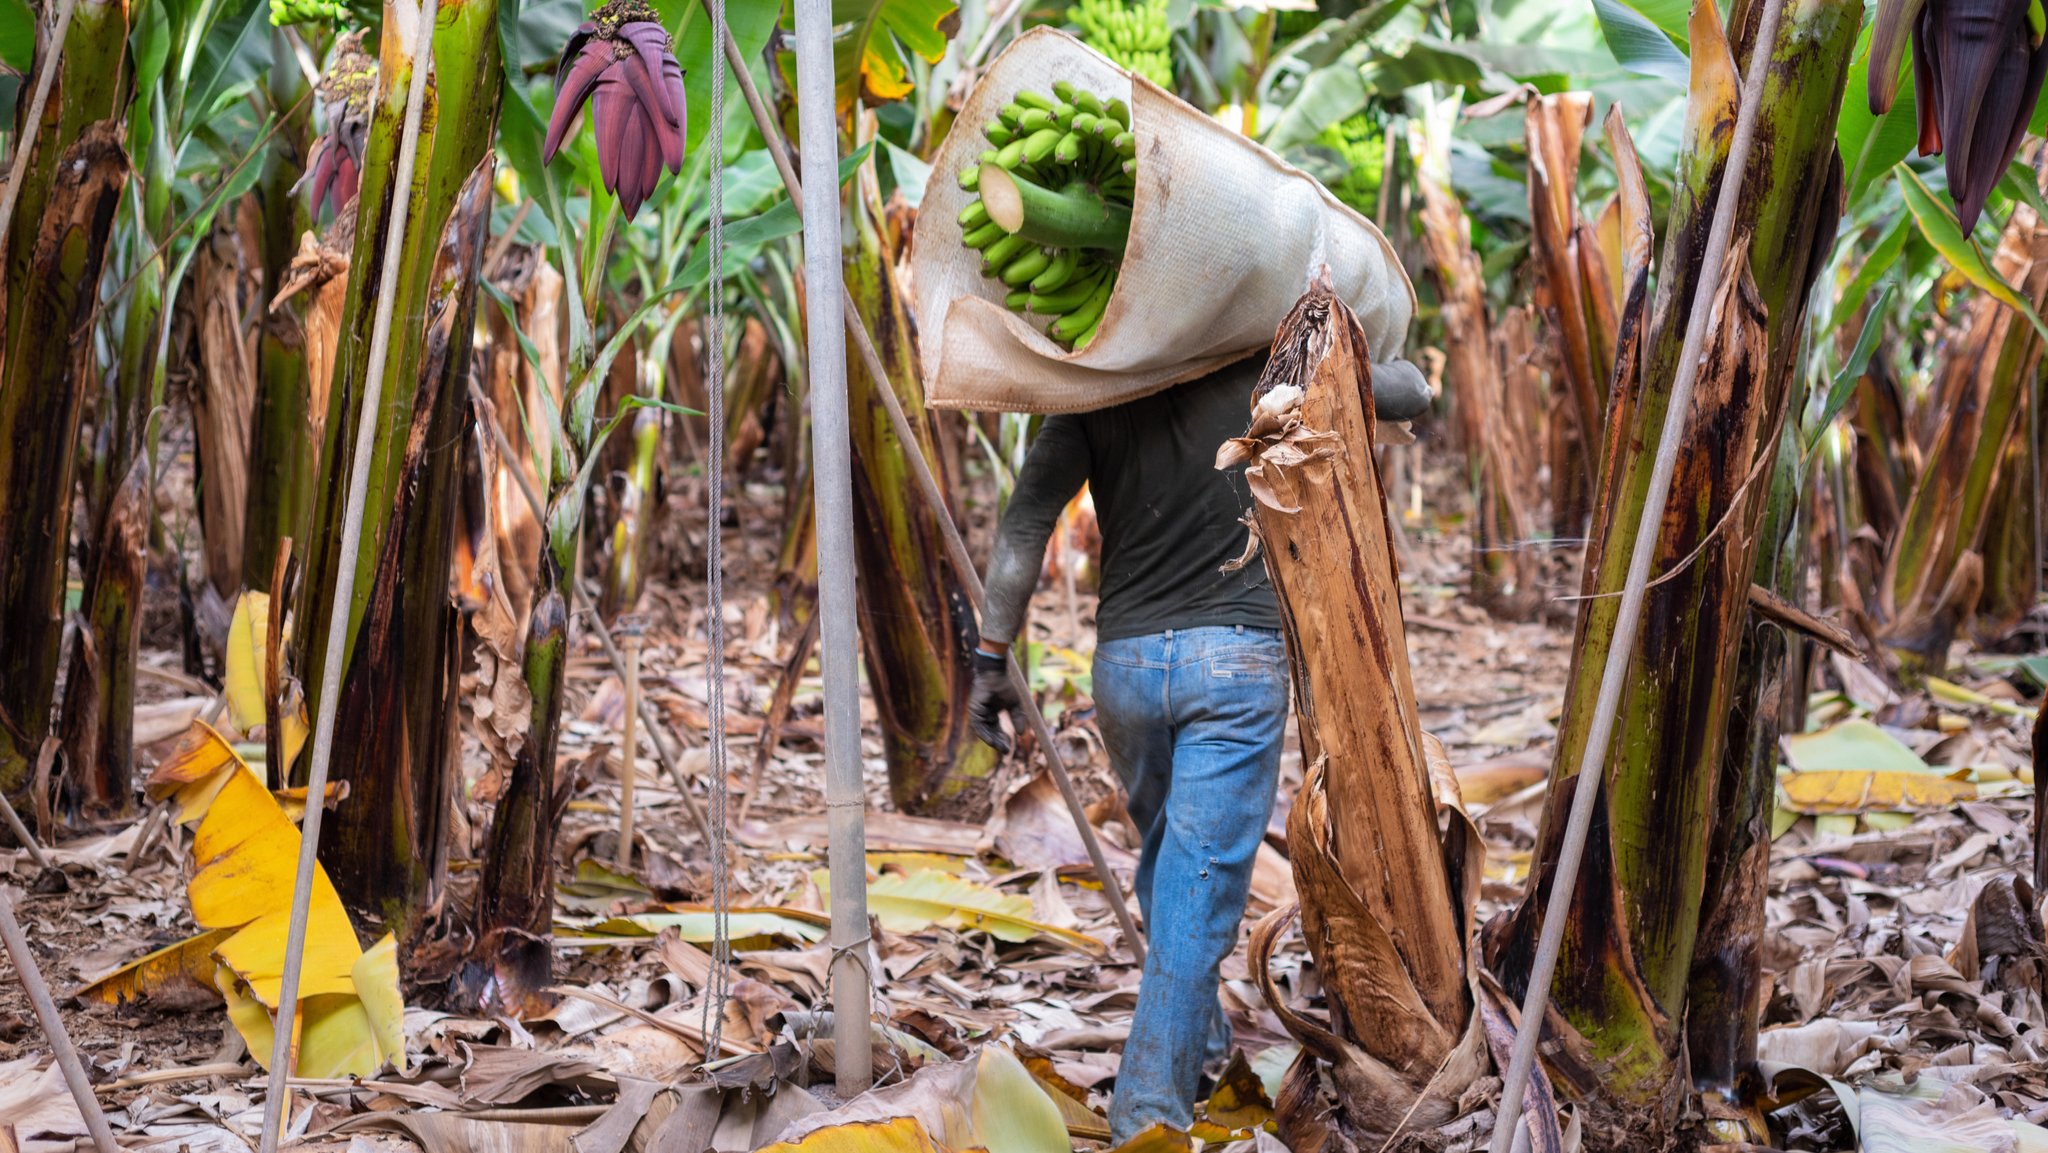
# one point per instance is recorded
(1054, 470)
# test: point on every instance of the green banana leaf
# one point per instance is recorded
(1939, 225)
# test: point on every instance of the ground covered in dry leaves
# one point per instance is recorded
(1906, 950)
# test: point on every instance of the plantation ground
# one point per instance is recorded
(1882, 973)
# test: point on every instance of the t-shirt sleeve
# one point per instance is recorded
(1054, 470)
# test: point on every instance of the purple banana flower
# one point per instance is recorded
(1977, 71)
(346, 91)
(621, 62)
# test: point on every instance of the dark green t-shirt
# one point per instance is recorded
(1170, 521)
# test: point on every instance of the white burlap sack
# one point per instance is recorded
(1225, 237)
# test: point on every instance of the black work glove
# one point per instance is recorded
(993, 696)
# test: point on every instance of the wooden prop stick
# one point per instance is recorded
(628, 753)
(21, 833)
(38, 992)
(956, 548)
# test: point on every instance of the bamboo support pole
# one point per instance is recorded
(21, 833)
(285, 1046)
(38, 991)
(832, 482)
(928, 487)
(628, 753)
(1628, 618)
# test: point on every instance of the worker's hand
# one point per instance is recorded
(993, 696)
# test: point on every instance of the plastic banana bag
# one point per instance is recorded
(1225, 237)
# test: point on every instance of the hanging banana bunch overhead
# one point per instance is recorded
(1134, 35)
(1055, 206)
(621, 61)
(1977, 71)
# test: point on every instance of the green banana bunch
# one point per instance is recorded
(283, 12)
(1068, 164)
(1362, 145)
(1135, 35)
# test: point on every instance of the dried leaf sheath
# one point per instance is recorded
(1381, 910)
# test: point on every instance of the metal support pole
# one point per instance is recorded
(832, 481)
(38, 991)
(956, 548)
(1628, 618)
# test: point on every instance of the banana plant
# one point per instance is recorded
(56, 247)
(385, 845)
(1627, 967)
(193, 65)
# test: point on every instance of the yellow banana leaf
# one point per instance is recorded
(245, 864)
(910, 902)
(896, 1135)
(1159, 1138)
(194, 773)
(1954, 694)
(694, 924)
(188, 964)
(246, 686)
(248, 656)
(1856, 767)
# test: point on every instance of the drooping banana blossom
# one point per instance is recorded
(1977, 70)
(621, 62)
(347, 91)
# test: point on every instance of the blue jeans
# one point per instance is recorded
(1193, 720)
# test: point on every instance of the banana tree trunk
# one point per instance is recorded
(98, 724)
(913, 614)
(1723, 1006)
(1503, 579)
(281, 464)
(1983, 389)
(1629, 949)
(64, 216)
(1562, 253)
(2012, 540)
(384, 848)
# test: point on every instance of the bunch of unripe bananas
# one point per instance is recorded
(1054, 204)
(283, 12)
(1136, 35)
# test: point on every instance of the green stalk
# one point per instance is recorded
(69, 194)
(1072, 217)
(1627, 962)
(627, 571)
(282, 467)
(516, 903)
(912, 608)
(381, 850)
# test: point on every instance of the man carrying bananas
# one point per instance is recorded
(1190, 685)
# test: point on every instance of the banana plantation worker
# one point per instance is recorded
(1190, 686)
